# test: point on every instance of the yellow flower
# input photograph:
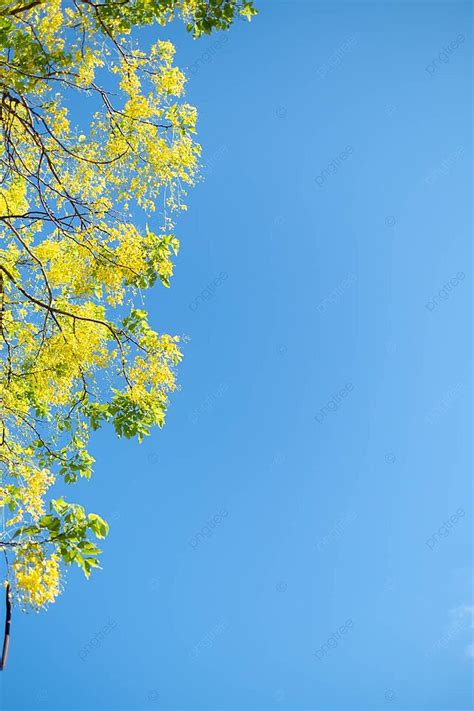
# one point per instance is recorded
(37, 577)
(171, 81)
(165, 50)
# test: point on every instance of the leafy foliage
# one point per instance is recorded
(76, 352)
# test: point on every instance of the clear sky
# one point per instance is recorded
(299, 536)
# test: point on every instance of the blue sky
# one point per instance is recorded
(299, 536)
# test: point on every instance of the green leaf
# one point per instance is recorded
(98, 525)
(50, 522)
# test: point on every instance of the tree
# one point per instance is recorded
(87, 217)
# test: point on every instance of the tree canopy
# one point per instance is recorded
(88, 205)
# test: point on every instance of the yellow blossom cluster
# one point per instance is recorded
(37, 577)
(28, 496)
